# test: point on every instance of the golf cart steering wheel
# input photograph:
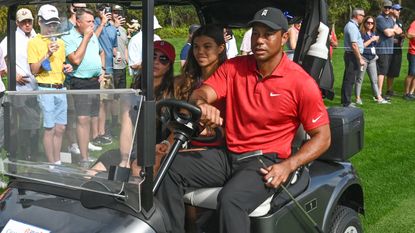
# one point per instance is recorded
(179, 116)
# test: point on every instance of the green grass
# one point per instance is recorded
(386, 163)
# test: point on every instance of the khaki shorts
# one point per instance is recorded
(107, 83)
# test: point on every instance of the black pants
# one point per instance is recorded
(120, 78)
(351, 70)
(243, 188)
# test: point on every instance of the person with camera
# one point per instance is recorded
(46, 57)
(84, 53)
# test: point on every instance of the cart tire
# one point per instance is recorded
(345, 220)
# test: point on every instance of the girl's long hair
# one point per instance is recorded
(363, 29)
(191, 71)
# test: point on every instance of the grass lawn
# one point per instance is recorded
(386, 164)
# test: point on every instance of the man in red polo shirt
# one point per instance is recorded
(267, 97)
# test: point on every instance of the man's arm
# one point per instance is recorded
(36, 67)
(103, 22)
(76, 57)
(203, 97)
(356, 53)
(311, 150)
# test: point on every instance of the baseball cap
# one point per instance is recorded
(396, 7)
(48, 14)
(387, 3)
(23, 14)
(272, 17)
(156, 23)
(117, 8)
(193, 28)
(166, 48)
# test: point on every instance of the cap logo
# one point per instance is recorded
(24, 13)
(264, 12)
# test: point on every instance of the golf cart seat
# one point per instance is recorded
(207, 197)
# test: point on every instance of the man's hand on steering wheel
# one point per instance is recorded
(210, 117)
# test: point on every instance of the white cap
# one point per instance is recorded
(48, 14)
(156, 23)
(23, 14)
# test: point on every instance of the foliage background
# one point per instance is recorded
(176, 19)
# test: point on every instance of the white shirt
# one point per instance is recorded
(22, 66)
(246, 42)
(231, 48)
(135, 47)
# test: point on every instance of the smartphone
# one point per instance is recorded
(229, 32)
(107, 9)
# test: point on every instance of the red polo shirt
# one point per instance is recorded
(265, 114)
(411, 29)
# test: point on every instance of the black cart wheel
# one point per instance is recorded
(345, 220)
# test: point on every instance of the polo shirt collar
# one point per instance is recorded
(278, 72)
(76, 33)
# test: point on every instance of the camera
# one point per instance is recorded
(229, 32)
(107, 9)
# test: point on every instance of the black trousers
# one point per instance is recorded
(243, 188)
(351, 70)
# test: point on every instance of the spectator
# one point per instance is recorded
(246, 43)
(135, 50)
(3, 69)
(386, 30)
(410, 79)
(293, 32)
(353, 59)
(47, 61)
(231, 49)
(107, 37)
(333, 40)
(396, 61)
(84, 53)
(73, 147)
(27, 108)
(367, 29)
(186, 47)
(133, 28)
(237, 168)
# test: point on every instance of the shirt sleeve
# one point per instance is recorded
(2, 62)
(353, 33)
(246, 41)
(3, 46)
(134, 51)
(381, 24)
(31, 52)
(70, 45)
(411, 28)
(312, 111)
(218, 81)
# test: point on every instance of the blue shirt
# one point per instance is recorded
(185, 51)
(108, 40)
(91, 64)
(352, 35)
(367, 52)
(385, 44)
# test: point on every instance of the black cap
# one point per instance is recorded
(272, 17)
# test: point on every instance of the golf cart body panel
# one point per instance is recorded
(60, 208)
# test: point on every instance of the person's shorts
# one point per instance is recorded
(120, 78)
(54, 107)
(411, 64)
(107, 83)
(383, 63)
(395, 65)
(85, 105)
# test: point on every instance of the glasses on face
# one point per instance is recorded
(163, 59)
(370, 23)
(387, 7)
(363, 15)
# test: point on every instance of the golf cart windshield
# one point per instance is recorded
(29, 159)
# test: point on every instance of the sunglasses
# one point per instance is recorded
(387, 7)
(370, 23)
(163, 59)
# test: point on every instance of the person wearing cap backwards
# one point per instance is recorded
(46, 56)
(267, 98)
(27, 113)
(396, 61)
(386, 29)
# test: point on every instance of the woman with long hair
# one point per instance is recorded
(207, 53)
(370, 39)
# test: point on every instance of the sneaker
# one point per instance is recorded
(74, 149)
(85, 163)
(390, 93)
(107, 136)
(100, 141)
(383, 101)
(386, 97)
(92, 147)
(359, 102)
(409, 97)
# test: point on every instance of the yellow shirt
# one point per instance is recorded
(37, 49)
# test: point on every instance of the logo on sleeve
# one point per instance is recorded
(314, 120)
(274, 94)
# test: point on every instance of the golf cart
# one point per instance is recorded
(324, 196)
